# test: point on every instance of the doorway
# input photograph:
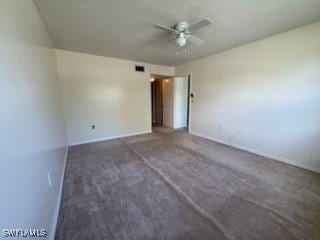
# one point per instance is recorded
(170, 101)
(156, 102)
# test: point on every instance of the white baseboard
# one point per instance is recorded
(109, 138)
(180, 127)
(260, 153)
(57, 208)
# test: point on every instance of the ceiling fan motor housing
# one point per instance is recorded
(182, 27)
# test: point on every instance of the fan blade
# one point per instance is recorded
(195, 40)
(167, 28)
(202, 23)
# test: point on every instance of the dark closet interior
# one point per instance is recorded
(157, 102)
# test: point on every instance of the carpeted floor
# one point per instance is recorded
(172, 185)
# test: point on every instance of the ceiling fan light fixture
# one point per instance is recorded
(181, 41)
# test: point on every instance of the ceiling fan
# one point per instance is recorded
(182, 31)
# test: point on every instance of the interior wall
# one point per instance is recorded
(33, 140)
(175, 102)
(168, 105)
(180, 101)
(263, 97)
(107, 93)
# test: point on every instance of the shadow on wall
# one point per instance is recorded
(263, 97)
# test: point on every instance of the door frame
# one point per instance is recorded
(160, 77)
(190, 100)
(156, 106)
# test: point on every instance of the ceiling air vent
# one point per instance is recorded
(139, 68)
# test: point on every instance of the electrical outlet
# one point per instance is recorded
(93, 127)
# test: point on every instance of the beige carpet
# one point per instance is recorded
(172, 185)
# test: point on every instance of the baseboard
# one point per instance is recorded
(263, 154)
(57, 208)
(179, 128)
(109, 138)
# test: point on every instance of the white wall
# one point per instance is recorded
(33, 141)
(107, 93)
(175, 102)
(180, 102)
(168, 104)
(264, 96)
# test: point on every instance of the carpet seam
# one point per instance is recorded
(197, 208)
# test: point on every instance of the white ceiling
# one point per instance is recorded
(124, 28)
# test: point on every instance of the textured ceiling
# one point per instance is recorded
(124, 28)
